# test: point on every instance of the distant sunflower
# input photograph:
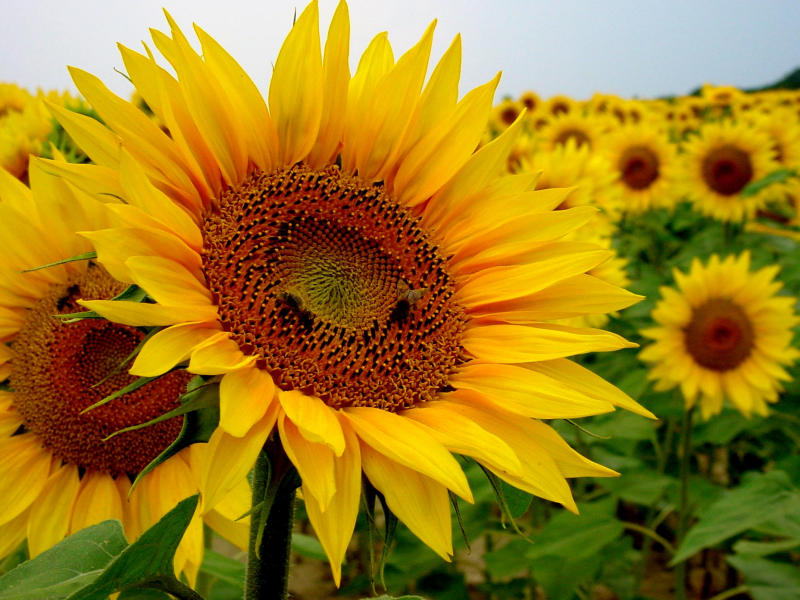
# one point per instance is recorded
(57, 475)
(560, 105)
(582, 129)
(720, 162)
(645, 162)
(724, 332)
(531, 101)
(361, 279)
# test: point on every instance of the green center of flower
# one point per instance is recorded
(727, 169)
(719, 335)
(638, 167)
(334, 288)
(59, 369)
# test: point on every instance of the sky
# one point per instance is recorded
(641, 48)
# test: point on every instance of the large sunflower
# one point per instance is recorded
(720, 162)
(723, 333)
(358, 277)
(57, 474)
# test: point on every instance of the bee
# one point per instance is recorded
(297, 306)
(406, 297)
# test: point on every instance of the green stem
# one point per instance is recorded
(649, 533)
(172, 586)
(686, 452)
(742, 589)
(267, 576)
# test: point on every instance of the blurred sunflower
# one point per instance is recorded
(354, 271)
(724, 332)
(645, 162)
(57, 474)
(560, 105)
(582, 129)
(719, 163)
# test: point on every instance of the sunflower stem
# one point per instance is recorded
(686, 452)
(267, 575)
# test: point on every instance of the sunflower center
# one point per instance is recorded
(334, 288)
(727, 170)
(509, 115)
(639, 167)
(59, 369)
(719, 335)
(577, 135)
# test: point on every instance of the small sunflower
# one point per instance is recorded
(645, 162)
(560, 105)
(57, 474)
(582, 129)
(373, 292)
(720, 162)
(723, 333)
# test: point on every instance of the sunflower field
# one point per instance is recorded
(364, 337)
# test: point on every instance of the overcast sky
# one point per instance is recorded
(575, 47)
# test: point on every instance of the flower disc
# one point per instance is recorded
(727, 170)
(719, 335)
(60, 369)
(638, 167)
(324, 279)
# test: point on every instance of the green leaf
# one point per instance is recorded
(197, 428)
(387, 597)
(67, 567)
(131, 387)
(84, 256)
(149, 559)
(764, 548)
(518, 501)
(642, 487)
(761, 497)
(223, 568)
(308, 546)
(778, 176)
(766, 579)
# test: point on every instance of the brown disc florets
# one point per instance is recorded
(638, 167)
(719, 335)
(580, 138)
(59, 369)
(334, 287)
(727, 169)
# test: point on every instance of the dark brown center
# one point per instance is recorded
(59, 369)
(334, 287)
(559, 108)
(509, 115)
(638, 167)
(719, 335)
(727, 169)
(579, 136)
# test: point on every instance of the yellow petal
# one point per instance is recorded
(95, 139)
(52, 510)
(408, 443)
(527, 392)
(316, 421)
(587, 382)
(336, 77)
(167, 282)
(418, 501)
(149, 315)
(169, 347)
(334, 525)
(98, 500)
(244, 397)
(520, 344)
(314, 462)
(218, 355)
(226, 460)
(296, 89)
(23, 473)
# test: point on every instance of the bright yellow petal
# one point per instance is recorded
(314, 462)
(169, 347)
(98, 500)
(51, 512)
(23, 474)
(217, 355)
(316, 421)
(244, 397)
(149, 315)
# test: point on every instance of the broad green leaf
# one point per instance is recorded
(224, 568)
(67, 567)
(764, 548)
(149, 559)
(517, 500)
(760, 498)
(509, 559)
(766, 579)
(778, 176)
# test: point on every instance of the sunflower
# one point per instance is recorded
(724, 332)
(57, 473)
(560, 105)
(645, 162)
(581, 129)
(372, 292)
(720, 162)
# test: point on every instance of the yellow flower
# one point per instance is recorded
(720, 162)
(362, 280)
(724, 332)
(645, 162)
(57, 474)
(582, 129)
